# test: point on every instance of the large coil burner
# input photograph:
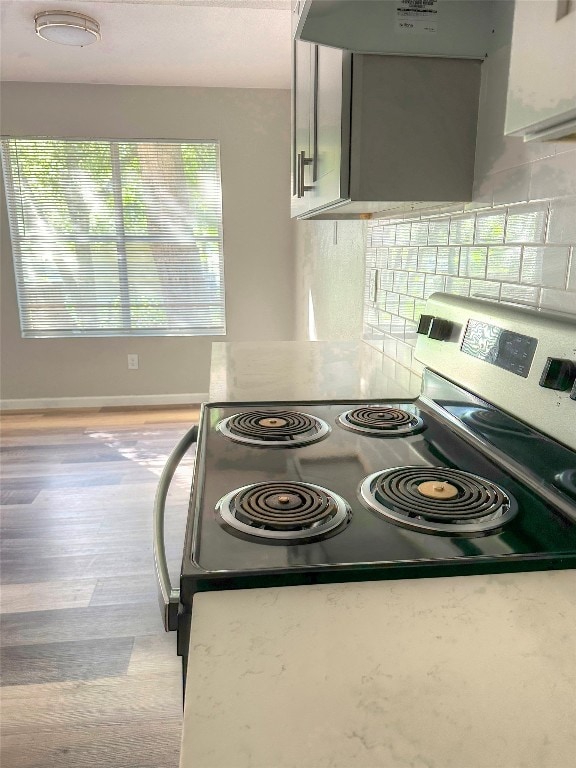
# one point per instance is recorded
(381, 421)
(274, 429)
(438, 500)
(284, 512)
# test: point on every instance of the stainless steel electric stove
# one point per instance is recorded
(476, 475)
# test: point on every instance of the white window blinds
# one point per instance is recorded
(116, 238)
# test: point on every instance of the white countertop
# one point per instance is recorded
(462, 672)
(306, 370)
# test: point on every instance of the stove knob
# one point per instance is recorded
(424, 324)
(559, 374)
(440, 329)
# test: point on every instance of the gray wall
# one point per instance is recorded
(253, 129)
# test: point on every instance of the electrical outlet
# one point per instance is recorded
(133, 362)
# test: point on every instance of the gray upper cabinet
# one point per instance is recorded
(328, 185)
(303, 124)
(371, 132)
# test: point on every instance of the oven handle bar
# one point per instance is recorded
(168, 597)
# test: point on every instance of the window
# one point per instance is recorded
(116, 238)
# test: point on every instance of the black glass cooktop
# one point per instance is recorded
(366, 545)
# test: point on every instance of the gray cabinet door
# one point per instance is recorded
(303, 89)
(331, 115)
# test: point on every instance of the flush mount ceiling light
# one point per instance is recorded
(67, 28)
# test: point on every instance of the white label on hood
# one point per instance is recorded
(417, 16)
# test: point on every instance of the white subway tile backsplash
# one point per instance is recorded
(371, 255)
(389, 235)
(403, 234)
(523, 254)
(406, 308)
(433, 284)
(392, 302)
(381, 257)
(410, 258)
(375, 237)
(520, 294)
(438, 230)
(504, 263)
(375, 339)
(563, 301)
(527, 224)
(410, 334)
(403, 376)
(368, 331)
(447, 260)
(484, 289)
(404, 354)
(386, 280)
(458, 286)
(416, 284)
(384, 321)
(562, 224)
(397, 326)
(473, 261)
(400, 282)
(490, 227)
(419, 307)
(545, 266)
(461, 230)
(427, 259)
(390, 345)
(395, 258)
(419, 233)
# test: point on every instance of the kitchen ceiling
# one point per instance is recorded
(210, 43)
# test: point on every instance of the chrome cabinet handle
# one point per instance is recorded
(302, 162)
(168, 597)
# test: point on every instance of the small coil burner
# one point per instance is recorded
(285, 512)
(274, 429)
(380, 421)
(438, 500)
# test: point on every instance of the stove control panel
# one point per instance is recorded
(558, 374)
(521, 360)
(507, 349)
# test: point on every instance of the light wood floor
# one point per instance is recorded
(89, 677)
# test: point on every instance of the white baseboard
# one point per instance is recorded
(42, 403)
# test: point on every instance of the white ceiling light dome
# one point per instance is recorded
(67, 27)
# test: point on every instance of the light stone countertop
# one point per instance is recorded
(461, 672)
(306, 370)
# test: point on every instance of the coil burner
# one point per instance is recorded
(284, 512)
(438, 500)
(274, 429)
(380, 421)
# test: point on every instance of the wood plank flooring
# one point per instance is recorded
(89, 677)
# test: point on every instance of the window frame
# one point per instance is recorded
(120, 239)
